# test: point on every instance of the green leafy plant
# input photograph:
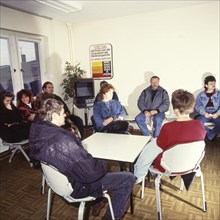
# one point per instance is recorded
(71, 74)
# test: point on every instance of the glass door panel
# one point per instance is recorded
(5, 66)
(30, 65)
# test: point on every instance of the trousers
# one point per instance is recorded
(146, 158)
(157, 123)
(121, 184)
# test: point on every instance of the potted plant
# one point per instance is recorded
(71, 74)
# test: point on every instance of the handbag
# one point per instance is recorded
(118, 127)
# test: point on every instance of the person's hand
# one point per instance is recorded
(215, 115)
(31, 117)
(147, 114)
(8, 106)
(107, 121)
(153, 112)
(119, 118)
(207, 115)
(67, 114)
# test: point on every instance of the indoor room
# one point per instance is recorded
(178, 41)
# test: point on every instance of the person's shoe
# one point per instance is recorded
(139, 179)
(96, 209)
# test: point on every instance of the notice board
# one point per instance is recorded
(101, 61)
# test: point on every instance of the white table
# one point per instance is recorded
(119, 147)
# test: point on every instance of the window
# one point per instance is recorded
(20, 64)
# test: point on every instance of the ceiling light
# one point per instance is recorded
(62, 5)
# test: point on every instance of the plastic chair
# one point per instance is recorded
(179, 160)
(60, 185)
(14, 147)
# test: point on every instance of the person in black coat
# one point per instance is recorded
(62, 149)
(12, 127)
(48, 88)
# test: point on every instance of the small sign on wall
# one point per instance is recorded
(101, 61)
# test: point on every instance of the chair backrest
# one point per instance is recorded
(183, 158)
(56, 180)
(94, 124)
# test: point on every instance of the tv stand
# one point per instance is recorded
(85, 103)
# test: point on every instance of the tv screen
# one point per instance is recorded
(84, 88)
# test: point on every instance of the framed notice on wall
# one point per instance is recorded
(101, 61)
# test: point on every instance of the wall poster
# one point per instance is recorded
(101, 61)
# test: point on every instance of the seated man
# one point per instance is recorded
(208, 106)
(182, 130)
(63, 150)
(153, 103)
(48, 88)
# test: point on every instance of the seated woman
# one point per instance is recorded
(182, 130)
(25, 104)
(115, 96)
(12, 127)
(108, 113)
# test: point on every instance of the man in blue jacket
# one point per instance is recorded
(207, 107)
(153, 103)
(62, 149)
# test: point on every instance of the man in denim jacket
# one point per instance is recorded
(207, 106)
(153, 103)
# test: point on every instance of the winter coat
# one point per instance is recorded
(63, 150)
(160, 102)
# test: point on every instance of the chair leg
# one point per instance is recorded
(25, 155)
(110, 205)
(181, 184)
(203, 193)
(43, 185)
(142, 188)
(81, 210)
(48, 204)
(13, 153)
(18, 147)
(157, 188)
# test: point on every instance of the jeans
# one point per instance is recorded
(157, 123)
(121, 184)
(211, 133)
(146, 158)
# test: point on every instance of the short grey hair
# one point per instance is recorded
(49, 107)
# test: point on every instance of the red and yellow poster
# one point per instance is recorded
(101, 61)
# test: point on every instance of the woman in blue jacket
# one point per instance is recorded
(108, 111)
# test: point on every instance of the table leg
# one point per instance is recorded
(131, 168)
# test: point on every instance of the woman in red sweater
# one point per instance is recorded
(183, 130)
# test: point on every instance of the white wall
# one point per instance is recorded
(57, 48)
(179, 45)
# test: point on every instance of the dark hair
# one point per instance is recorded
(21, 93)
(104, 89)
(154, 77)
(102, 83)
(5, 94)
(183, 100)
(44, 86)
(40, 98)
(208, 79)
(49, 107)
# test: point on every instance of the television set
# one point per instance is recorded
(84, 92)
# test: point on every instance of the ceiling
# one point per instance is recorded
(98, 10)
